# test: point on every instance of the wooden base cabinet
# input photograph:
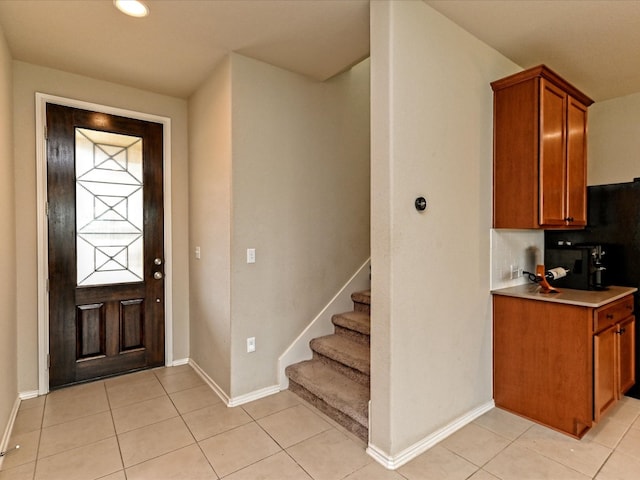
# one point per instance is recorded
(626, 355)
(614, 364)
(562, 365)
(605, 390)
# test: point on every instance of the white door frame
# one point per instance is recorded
(43, 260)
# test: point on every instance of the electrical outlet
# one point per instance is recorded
(251, 344)
(251, 255)
(515, 272)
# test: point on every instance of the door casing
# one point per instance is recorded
(41, 196)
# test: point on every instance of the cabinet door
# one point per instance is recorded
(626, 354)
(576, 163)
(605, 391)
(553, 121)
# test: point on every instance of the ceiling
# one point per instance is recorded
(175, 48)
(595, 44)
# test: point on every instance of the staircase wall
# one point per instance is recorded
(321, 325)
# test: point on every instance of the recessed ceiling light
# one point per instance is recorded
(133, 8)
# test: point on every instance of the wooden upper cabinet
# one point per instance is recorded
(552, 154)
(576, 162)
(539, 166)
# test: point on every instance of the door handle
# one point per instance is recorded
(157, 275)
(157, 261)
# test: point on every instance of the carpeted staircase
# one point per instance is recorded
(336, 379)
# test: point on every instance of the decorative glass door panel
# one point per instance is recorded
(109, 208)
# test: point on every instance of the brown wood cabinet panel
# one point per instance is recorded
(539, 166)
(553, 159)
(605, 390)
(576, 162)
(626, 354)
(543, 364)
(612, 313)
(515, 166)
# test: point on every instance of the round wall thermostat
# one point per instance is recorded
(421, 204)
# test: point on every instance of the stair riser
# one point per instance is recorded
(355, 375)
(346, 421)
(340, 390)
(362, 307)
(361, 338)
(361, 301)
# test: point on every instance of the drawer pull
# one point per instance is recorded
(621, 331)
(609, 315)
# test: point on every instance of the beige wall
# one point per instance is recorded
(210, 225)
(29, 79)
(432, 136)
(300, 198)
(299, 195)
(614, 140)
(8, 377)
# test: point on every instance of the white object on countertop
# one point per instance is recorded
(557, 272)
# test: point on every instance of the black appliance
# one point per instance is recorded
(614, 223)
(587, 269)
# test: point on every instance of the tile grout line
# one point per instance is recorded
(115, 432)
(181, 415)
(37, 459)
(282, 448)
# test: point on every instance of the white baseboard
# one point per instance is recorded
(182, 361)
(29, 394)
(7, 431)
(321, 325)
(255, 395)
(209, 381)
(393, 462)
(233, 401)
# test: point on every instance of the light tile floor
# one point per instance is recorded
(168, 424)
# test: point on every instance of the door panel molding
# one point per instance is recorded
(42, 241)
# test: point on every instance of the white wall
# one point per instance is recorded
(293, 183)
(8, 322)
(614, 140)
(517, 248)
(432, 136)
(210, 225)
(29, 79)
(301, 153)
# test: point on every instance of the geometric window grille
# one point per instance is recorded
(109, 209)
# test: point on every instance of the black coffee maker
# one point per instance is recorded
(586, 264)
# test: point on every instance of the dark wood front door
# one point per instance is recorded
(106, 249)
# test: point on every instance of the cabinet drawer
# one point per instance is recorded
(612, 313)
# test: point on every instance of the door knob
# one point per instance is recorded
(157, 275)
(158, 261)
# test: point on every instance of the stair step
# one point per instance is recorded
(355, 325)
(350, 358)
(338, 396)
(362, 301)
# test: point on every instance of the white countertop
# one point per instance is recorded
(583, 298)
